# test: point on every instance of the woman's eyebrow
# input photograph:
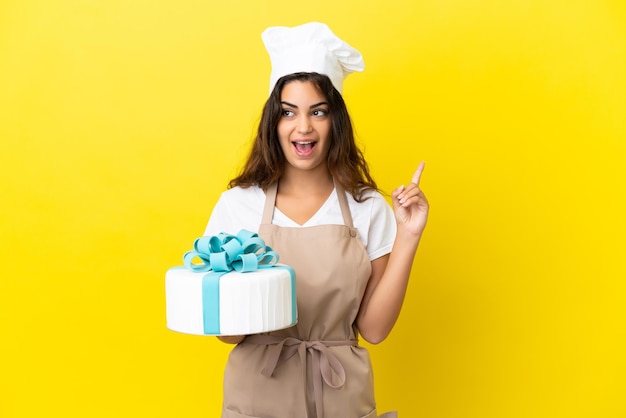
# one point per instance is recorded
(311, 107)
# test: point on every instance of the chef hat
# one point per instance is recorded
(311, 47)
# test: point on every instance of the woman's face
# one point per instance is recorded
(304, 126)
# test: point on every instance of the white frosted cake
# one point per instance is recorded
(253, 295)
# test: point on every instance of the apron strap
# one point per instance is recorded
(270, 202)
(325, 365)
(343, 204)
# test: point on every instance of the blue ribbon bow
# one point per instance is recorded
(243, 252)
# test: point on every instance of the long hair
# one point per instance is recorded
(345, 161)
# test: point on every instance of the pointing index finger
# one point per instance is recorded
(418, 173)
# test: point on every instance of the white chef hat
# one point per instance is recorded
(311, 47)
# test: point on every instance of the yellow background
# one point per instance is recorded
(122, 121)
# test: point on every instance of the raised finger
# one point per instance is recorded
(418, 173)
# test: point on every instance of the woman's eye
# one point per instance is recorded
(287, 112)
(320, 112)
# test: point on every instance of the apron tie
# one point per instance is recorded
(325, 365)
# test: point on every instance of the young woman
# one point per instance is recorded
(307, 190)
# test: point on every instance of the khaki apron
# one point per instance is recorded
(316, 368)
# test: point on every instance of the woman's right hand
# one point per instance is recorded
(231, 339)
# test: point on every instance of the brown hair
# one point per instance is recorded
(266, 162)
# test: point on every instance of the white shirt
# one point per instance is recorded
(240, 208)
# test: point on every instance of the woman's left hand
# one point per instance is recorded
(410, 205)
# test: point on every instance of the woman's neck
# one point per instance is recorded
(301, 194)
(306, 182)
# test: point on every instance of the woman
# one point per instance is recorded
(307, 190)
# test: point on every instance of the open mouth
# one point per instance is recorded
(304, 148)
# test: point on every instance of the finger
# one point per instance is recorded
(418, 173)
(411, 197)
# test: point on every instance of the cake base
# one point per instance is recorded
(230, 303)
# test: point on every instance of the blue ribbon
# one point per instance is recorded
(224, 252)
(219, 254)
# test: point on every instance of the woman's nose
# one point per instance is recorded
(304, 124)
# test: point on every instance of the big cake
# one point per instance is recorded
(238, 288)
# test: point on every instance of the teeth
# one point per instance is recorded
(304, 142)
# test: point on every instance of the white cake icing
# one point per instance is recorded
(249, 303)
